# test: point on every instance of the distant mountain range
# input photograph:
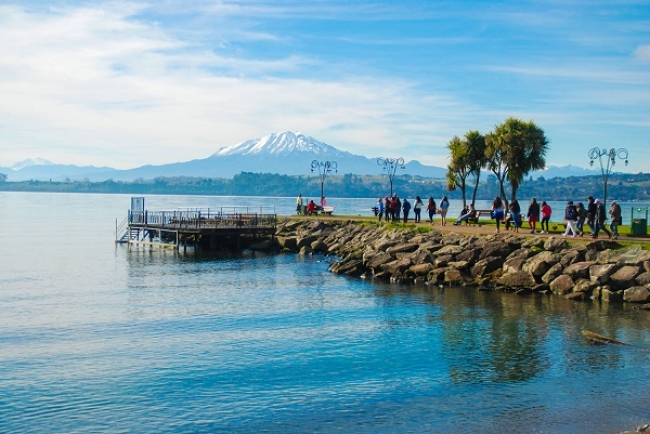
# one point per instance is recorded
(286, 153)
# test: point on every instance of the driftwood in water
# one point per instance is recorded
(600, 339)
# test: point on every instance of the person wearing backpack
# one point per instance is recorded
(570, 215)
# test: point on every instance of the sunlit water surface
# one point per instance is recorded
(96, 337)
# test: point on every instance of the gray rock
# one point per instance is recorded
(421, 269)
(470, 255)
(576, 296)
(579, 270)
(539, 264)
(519, 279)
(319, 246)
(513, 265)
(449, 250)
(600, 273)
(442, 261)
(585, 285)
(553, 273)
(402, 247)
(459, 265)
(624, 277)
(396, 267)
(563, 284)
(487, 266)
(454, 277)
(496, 249)
(637, 294)
(600, 245)
(643, 279)
(633, 255)
(374, 260)
(554, 244)
(572, 256)
(520, 253)
(289, 243)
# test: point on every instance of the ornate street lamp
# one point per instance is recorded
(606, 166)
(323, 168)
(390, 166)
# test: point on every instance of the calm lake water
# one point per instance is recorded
(96, 337)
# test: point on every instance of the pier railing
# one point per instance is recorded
(202, 219)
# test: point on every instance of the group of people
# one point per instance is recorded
(575, 216)
(594, 215)
(311, 207)
(396, 209)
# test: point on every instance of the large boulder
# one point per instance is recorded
(470, 255)
(637, 294)
(487, 266)
(572, 256)
(288, 243)
(496, 249)
(553, 273)
(554, 244)
(600, 273)
(421, 269)
(562, 284)
(396, 267)
(518, 279)
(402, 247)
(585, 285)
(579, 270)
(539, 264)
(624, 277)
(643, 279)
(449, 250)
(375, 260)
(513, 265)
(633, 255)
(454, 276)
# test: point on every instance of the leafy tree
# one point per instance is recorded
(475, 142)
(513, 149)
(460, 166)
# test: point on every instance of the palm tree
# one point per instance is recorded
(476, 149)
(513, 149)
(460, 166)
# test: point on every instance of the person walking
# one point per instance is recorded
(570, 215)
(387, 209)
(591, 214)
(617, 218)
(406, 208)
(601, 219)
(431, 209)
(299, 204)
(497, 211)
(417, 208)
(515, 211)
(443, 208)
(533, 215)
(380, 208)
(581, 218)
(546, 216)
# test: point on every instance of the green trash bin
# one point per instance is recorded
(639, 225)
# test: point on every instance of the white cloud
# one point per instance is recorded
(642, 53)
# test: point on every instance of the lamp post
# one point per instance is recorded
(390, 166)
(606, 166)
(323, 168)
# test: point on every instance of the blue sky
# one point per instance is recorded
(124, 84)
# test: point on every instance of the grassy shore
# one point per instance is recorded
(487, 227)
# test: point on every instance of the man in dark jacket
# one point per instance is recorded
(617, 219)
(406, 207)
(601, 219)
(591, 214)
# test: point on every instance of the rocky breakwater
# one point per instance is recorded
(599, 270)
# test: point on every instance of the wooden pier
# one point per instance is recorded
(198, 228)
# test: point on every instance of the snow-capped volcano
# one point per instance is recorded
(281, 144)
(31, 162)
